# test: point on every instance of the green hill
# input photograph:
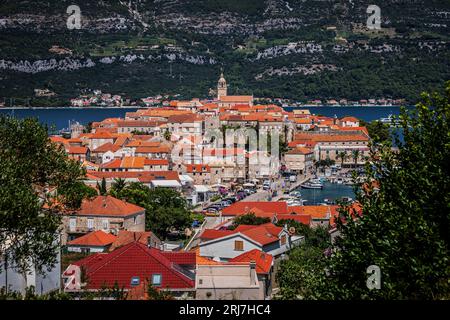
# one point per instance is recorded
(292, 49)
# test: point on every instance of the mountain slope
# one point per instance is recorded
(302, 49)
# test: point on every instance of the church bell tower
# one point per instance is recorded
(221, 87)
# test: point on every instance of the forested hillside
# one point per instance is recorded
(296, 49)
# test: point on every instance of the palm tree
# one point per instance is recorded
(167, 135)
(118, 185)
(102, 187)
(342, 155)
(355, 155)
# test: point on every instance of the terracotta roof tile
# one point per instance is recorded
(135, 260)
(107, 206)
(239, 208)
(106, 147)
(263, 234)
(125, 237)
(263, 260)
(77, 150)
(143, 176)
(94, 239)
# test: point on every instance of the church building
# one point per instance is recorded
(224, 100)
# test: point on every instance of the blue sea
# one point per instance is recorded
(330, 191)
(60, 117)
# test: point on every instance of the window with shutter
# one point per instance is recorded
(239, 245)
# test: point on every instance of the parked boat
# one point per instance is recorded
(390, 119)
(295, 194)
(311, 185)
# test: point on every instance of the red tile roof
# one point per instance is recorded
(126, 163)
(239, 208)
(300, 150)
(156, 162)
(139, 123)
(179, 257)
(94, 239)
(331, 137)
(263, 234)
(143, 143)
(316, 212)
(102, 135)
(302, 218)
(363, 129)
(210, 234)
(106, 147)
(263, 260)
(349, 119)
(158, 149)
(143, 176)
(135, 260)
(125, 237)
(185, 118)
(77, 150)
(107, 206)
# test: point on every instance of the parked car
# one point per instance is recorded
(195, 223)
(242, 194)
(225, 204)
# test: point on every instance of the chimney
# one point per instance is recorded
(252, 272)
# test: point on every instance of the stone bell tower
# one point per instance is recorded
(221, 87)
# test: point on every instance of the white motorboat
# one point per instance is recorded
(311, 185)
(390, 119)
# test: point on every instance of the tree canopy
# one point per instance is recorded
(166, 209)
(249, 219)
(33, 172)
(403, 224)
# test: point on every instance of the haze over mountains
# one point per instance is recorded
(292, 49)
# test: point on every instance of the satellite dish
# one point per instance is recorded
(291, 231)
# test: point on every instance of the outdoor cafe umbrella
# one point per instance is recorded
(218, 185)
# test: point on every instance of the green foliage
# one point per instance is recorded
(404, 226)
(315, 237)
(378, 131)
(322, 164)
(299, 276)
(215, 198)
(156, 294)
(342, 156)
(102, 190)
(248, 219)
(198, 216)
(73, 194)
(30, 294)
(166, 209)
(167, 135)
(361, 74)
(117, 186)
(31, 168)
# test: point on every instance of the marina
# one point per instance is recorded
(314, 192)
